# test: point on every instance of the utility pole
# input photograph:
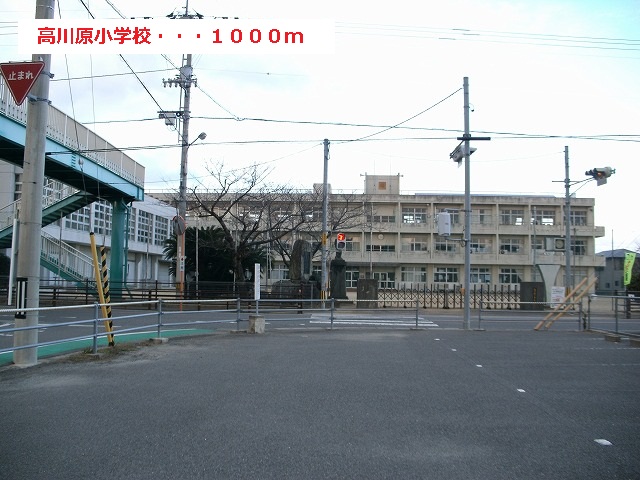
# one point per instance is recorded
(30, 217)
(567, 224)
(458, 156)
(184, 80)
(535, 244)
(467, 209)
(325, 214)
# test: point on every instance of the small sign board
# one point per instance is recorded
(557, 296)
(20, 78)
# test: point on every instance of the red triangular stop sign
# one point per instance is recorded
(20, 77)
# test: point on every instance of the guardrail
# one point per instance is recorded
(530, 312)
(165, 317)
(624, 307)
(158, 317)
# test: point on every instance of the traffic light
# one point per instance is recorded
(341, 241)
(600, 174)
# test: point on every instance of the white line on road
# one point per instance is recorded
(602, 441)
(380, 323)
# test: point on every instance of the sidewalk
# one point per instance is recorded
(342, 404)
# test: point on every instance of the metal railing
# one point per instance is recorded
(159, 317)
(69, 260)
(626, 314)
(529, 313)
(167, 317)
(52, 193)
(75, 136)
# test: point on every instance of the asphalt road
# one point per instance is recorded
(343, 404)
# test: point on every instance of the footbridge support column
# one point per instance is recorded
(117, 265)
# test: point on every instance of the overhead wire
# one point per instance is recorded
(407, 120)
(492, 36)
(630, 138)
(75, 124)
(178, 69)
(502, 134)
(126, 63)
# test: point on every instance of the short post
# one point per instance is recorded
(96, 315)
(159, 318)
(584, 323)
(256, 323)
(332, 310)
(417, 309)
(238, 313)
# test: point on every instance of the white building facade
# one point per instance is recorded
(399, 245)
(394, 238)
(149, 226)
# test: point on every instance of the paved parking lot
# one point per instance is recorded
(342, 404)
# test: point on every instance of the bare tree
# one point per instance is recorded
(345, 213)
(249, 211)
(253, 213)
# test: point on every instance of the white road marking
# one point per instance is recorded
(521, 390)
(382, 323)
(602, 441)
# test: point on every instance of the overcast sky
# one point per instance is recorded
(555, 70)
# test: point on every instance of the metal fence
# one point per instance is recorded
(62, 292)
(623, 317)
(155, 318)
(82, 327)
(504, 297)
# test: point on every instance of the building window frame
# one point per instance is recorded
(445, 275)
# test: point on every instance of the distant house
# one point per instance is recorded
(610, 276)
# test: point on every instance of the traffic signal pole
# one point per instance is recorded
(30, 217)
(568, 277)
(325, 210)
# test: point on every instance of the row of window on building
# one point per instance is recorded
(506, 245)
(144, 226)
(417, 277)
(507, 216)
(414, 215)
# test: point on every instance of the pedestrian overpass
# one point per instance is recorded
(88, 164)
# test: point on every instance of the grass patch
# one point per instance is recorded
(107, 353)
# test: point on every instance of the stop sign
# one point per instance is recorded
(20, 78)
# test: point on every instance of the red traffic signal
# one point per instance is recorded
(341, 237)
(600, 174)
(341, 241)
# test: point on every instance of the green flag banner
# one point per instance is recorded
(629, 258)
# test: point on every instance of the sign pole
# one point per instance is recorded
(30, 218)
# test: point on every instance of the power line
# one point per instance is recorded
(408, 119)
(107, 75)
(539, 39)
(499, 134)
